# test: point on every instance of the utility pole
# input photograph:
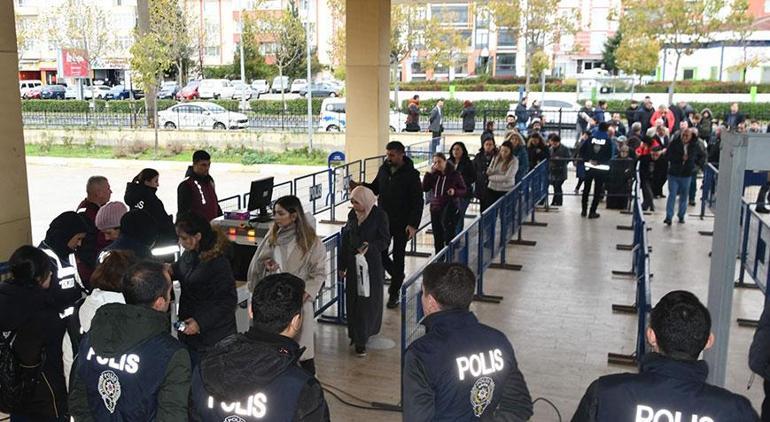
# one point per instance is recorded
(309, 91)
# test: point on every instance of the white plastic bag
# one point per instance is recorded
(362, 276)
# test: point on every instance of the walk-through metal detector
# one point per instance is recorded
(740, 152)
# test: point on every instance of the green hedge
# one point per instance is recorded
(758, 111)
(475, 85)
(294, 106)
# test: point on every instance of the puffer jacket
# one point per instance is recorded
(440, 184)
(143, 197)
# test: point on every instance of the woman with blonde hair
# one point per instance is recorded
(292, 246)
(365, 236)
(502, 171)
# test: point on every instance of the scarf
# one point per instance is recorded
(367, 199)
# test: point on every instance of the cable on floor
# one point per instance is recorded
(367, 404)
(545, 400)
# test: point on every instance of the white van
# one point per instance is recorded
(216, 89)
(280, 84)
(332, 118)
(25, 86)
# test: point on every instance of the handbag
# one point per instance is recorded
(362, 276)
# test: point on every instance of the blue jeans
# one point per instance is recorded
(677, 187)
(462, 207)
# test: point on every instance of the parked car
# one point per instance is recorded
(321, 90)
(120, 92)
(280, 84)
(26, 85)
(201, 115)
(242, 91)
(260, 86)
(333, 117)
(190, 91)
(33, 93)
(53, 92)
(97, 91)
(216, 89)
(298, 85)
(168, 90)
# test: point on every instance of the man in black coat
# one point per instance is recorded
(257, 371)
(671, 384)
(399, 191)
(644, 114)
(734, 118)
(631, 113)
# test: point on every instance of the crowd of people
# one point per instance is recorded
(86, 314)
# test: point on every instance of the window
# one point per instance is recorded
(482, 39)
(212, 51)
(688, 74)
(456, 15)
(461, 68)
(506, 37)
(505, 65)
(267, 48)
(417, 67)
(482, 18)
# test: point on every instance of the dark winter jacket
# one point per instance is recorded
(704, 127)
(480, 165)
(537, 153)
(257, 362)
(631, 116)
(30, 312)
(439, 386)
(399, 194)
(413, 116)
(143, 197)
(732, 120)
(522, 114)
(440, 183)
(663, 385)
(597, 149)
(467, 170)
(138, 234)
(643, 115)
(523, 156)
(118, 329)
(94, 242)
(469, 118)
(559, 160)
(198, 194)
(675, 152)
(208, 294)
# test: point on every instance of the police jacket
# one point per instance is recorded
(143, 197)
(197, 194)
(66, 287)
(665, 389)
(598, 148)
(759, 352)
(129, 368)
(255, 376)
(462, 370)
(399, 194)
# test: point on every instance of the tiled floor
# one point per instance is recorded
(557, 312)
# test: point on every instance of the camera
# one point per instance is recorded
(180, 325)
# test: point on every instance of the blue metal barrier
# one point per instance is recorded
(640, 270)
(329, 305)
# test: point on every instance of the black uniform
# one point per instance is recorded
(664, 387)
(399, 194)
(255, 376)
(462, 370)
(599, 150)
(143, 197)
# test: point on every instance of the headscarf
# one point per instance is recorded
(365, 197)
(62, 229)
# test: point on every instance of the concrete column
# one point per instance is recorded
(15, 227)
(367, 77)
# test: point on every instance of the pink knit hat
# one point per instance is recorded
(109, 215)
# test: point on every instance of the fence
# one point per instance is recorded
(477, 246)
(640, 270)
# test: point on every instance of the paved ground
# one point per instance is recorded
(59, 184)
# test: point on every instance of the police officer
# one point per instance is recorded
(255, 376)
(197, 192)
(460, 370)
(129, 368)
(671, 385)
(597, 153)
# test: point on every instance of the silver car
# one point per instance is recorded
(201, 115)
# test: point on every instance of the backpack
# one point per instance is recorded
(10, 374)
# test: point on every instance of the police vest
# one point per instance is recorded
(466, 362)
(125, 387)
(67, 287)
(276, 402)
(204, 198)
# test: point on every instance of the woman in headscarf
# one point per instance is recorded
(292, 246)
(365, 236)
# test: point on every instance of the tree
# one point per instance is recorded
(23, 35)
(740, 23)
(679, 26)
(403, 37)
(338, 54)
(540, 63)
(609, 55)
(637, 55)
(284, 29)
(444, 47)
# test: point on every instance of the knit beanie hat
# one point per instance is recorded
(110, 214)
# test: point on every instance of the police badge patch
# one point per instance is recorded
(234, 418)
(481, 395)
(109, 389)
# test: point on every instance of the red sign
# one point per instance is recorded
(73, 64)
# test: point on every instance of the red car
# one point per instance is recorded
(33, 93)
(189, 92)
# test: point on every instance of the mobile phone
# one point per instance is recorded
(180, 325)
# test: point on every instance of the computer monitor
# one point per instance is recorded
(261, 197)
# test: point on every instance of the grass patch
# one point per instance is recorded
(228, 154)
